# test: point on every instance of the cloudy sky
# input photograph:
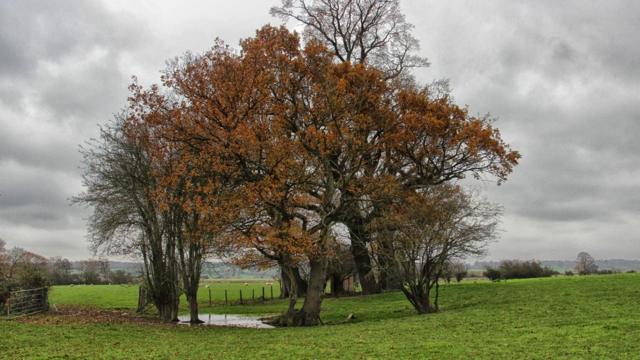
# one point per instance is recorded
(563, 79)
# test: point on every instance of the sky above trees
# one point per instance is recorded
(563, 79)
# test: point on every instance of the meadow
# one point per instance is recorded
(560, 317)
(126, 296)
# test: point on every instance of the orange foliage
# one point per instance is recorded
(263, 144)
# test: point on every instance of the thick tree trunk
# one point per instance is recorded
(286, 281)
(362, 259)
(389, 272)
(168, 311)
(309, 315)
(337, 285)
(193, 310)
(313, 300)
(419, 298)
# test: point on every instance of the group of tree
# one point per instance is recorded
(516, 269)
(261, 154)
(90, 272)
(22, 269)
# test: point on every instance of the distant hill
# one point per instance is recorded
(210, 270)
(563, 265)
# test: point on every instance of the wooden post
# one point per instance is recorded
(253, 295)
(45, 300)
(240, 296)
(263, 294)
(209, 296)
(226, 301)
(271, 292)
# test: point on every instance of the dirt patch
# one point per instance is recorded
(84, 315)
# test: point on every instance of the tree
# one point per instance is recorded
(3, 260)
(90, 272)
(358, 31)
(60, 271)
(459, 270)
(425, 230)
(376, 33)
(361, 32)
(492, 274)
(121, 277)
(278, 144)
(126, 218)
(585, 264)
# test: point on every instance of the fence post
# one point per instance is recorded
(253, 295)
(240, 296)
(271, 292)
(226, 301)
(45, 299)
(263, 294)
(209, 296)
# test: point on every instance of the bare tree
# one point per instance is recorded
(360, 31)
(425, 231)
(126, 219)
(585, 264)
(90, 271)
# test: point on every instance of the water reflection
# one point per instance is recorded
(233, 320)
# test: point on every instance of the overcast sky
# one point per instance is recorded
(562, 77)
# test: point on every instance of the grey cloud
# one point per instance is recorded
(562, 78)
(564, 81)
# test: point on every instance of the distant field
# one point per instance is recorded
(126, 296)
(563, 317)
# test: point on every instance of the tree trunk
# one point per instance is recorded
(309, 315)
(193, 310)
(300, 286)
(362, 259)
(389, 271)
(419, 298)
(168, 311)
(313, 300)
(337, 285)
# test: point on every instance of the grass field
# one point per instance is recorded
(564, 317)
(126, 296)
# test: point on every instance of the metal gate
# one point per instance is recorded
(25, 302)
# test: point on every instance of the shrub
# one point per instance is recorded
(492, 274)
(515, 269)
(568, 273)
(606, 272)
(631, 271)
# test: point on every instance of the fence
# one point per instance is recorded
(26, 302)
(263, 294)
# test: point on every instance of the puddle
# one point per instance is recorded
(232, 320)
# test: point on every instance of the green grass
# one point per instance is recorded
(126, 296)
(564, 317)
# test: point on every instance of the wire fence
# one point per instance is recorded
(27, 302)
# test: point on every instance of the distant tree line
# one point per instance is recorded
(22, 269)
(516, 269)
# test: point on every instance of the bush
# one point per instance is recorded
(631, 271)
(492, 274)
(606, 272)
(568, 273)
(515, 269)
(121, 277)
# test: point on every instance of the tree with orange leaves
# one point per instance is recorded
(377, 34)
(283, 143)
